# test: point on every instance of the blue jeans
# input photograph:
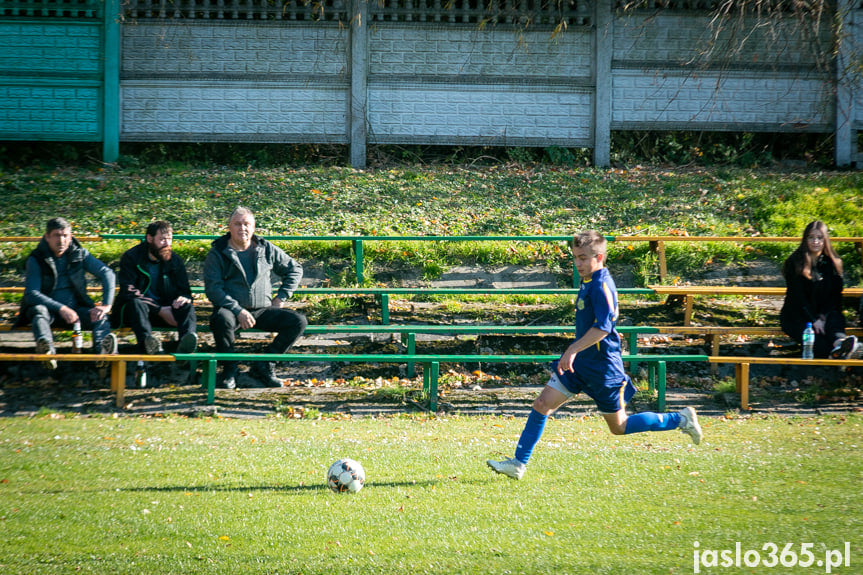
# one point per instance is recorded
(41, 320)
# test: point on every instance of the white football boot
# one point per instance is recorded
(689, 424)
(509, 467)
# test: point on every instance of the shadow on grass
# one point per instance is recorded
(248, 488)
(244, 489)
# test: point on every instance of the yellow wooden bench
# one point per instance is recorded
(657, 243)
(118, 365)
(712, 333)
(741, 368)
(688, 294)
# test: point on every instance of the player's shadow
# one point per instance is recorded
(275, 488)
(193, 489)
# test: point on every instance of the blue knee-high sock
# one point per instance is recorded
(530, 435)
(650, 421)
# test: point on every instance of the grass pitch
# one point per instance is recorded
(176, 495)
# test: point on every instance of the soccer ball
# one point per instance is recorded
(346, 475)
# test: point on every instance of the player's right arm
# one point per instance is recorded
(593, 336)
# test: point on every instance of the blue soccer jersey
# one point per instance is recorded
(597, 307)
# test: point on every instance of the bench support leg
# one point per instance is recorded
(435, 371)
(118, 381)
(660, 385)
(633, 350)
(431, 371)
(208, 369)
(712, 340)
(651, 376)
(358, 260)
(412, 349)
(385, 308)
(688, 301)
(741, 376)
(658, 247)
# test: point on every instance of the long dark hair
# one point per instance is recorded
(801, 259)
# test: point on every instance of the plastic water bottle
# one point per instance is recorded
(77, 338)
(141, 376)
(808, 341)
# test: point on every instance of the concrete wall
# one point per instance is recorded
(457, 85)
(664, 77)
(267, 77)
(220, 81)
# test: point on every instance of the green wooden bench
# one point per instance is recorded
(431, 363)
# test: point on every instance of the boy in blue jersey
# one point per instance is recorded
(592, 364)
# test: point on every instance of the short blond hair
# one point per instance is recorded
(592, 241)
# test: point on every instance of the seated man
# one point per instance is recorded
(238, 280)
(55, 290)
(154, 290)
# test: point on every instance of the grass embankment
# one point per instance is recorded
(443, 200)
(224, 496)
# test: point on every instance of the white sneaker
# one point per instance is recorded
(689, 424)
(43, 346)
(108, 346)
(152, 345)
(509, 467)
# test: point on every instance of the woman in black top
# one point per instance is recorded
(813, 274)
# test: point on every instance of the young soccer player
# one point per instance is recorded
(592, 364)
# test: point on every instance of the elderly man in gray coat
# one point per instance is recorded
(239, 281)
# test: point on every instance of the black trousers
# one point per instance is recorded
(794, 324)
(288, 324)
(138, 315)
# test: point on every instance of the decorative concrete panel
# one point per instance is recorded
(213, 49)
(196, 111)
(719, 101)
(493, 115)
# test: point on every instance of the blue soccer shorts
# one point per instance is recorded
(609, 398)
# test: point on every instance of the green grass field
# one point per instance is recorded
(176, 495)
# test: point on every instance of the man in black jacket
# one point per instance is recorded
(55, 290)
(240, 274)
(154, 289)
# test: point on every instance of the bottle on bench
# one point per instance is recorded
(77, 338)
(808, 342)
(141, 376)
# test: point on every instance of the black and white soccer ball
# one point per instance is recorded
(346, 475)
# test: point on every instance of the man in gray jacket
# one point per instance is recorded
(239, 282)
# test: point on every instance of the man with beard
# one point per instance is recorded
(55, 290)
(239, 279)
(154, 290)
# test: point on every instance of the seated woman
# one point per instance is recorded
(813, 274)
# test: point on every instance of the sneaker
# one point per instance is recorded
(44, 347)
(188, 343)
(152, 345)
(845, 349)
(228, 379)
(689, 424)
(108, 346)
(509, 467)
